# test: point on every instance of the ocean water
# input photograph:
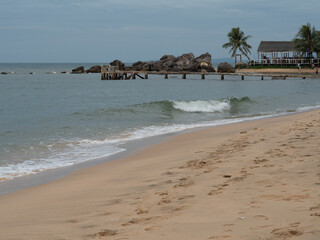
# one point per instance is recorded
(54, 120)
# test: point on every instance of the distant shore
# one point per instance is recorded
(250, 180)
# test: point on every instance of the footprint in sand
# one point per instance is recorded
(184, 182)
(105, 233)
(261, 217)
(219, 237)
(284, 233)
(73, 221)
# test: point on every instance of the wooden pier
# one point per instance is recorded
(112, 73)
(128, 75)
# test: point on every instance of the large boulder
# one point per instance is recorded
(226, 68)
(139, 66)
(203, 62)
(94, 69)
(117, 63)
(78, 70)
(183, 62)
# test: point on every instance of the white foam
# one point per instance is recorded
(209, 106)
(75, 154)
(307, 108)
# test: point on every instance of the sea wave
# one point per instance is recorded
(166, 106)
(210, 106)
(307, 108)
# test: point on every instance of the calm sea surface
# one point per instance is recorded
(55, 120)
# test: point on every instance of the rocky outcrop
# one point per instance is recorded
(170, 63)
(94, 69)
(119, 64)
(78, 70)
(225, 68)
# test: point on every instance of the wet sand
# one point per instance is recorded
(252, 180)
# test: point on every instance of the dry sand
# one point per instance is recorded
(252, 180)
(279, 71)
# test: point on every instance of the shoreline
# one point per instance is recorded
(130, 147)
(248, 180)
(50, 175)
(279, 71)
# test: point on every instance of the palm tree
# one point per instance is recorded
(238, 41)
(307, 40)
(318, 44)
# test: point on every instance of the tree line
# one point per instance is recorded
(306, 41)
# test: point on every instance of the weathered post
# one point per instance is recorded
(166, 76)
(222, 77)
(146, 76)
(133, 75)
(242, 77)
(203, 76)
(262, 78)
(184, 75)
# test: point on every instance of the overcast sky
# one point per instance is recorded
(103, 30)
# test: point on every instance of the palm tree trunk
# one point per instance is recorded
(244, 53)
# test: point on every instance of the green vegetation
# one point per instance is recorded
(238, 41)
(307, 40)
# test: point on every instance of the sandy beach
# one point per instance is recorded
(279, 71)
(252, 180)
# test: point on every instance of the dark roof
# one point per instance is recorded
(276, 46)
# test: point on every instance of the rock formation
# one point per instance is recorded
(170, 63)
(118, 64)
(94, 69)
(225, 68)
(78, 70)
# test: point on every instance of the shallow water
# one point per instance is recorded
(55, 120)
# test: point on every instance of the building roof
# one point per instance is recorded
(276, 46)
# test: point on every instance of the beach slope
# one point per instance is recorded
(252, 180)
